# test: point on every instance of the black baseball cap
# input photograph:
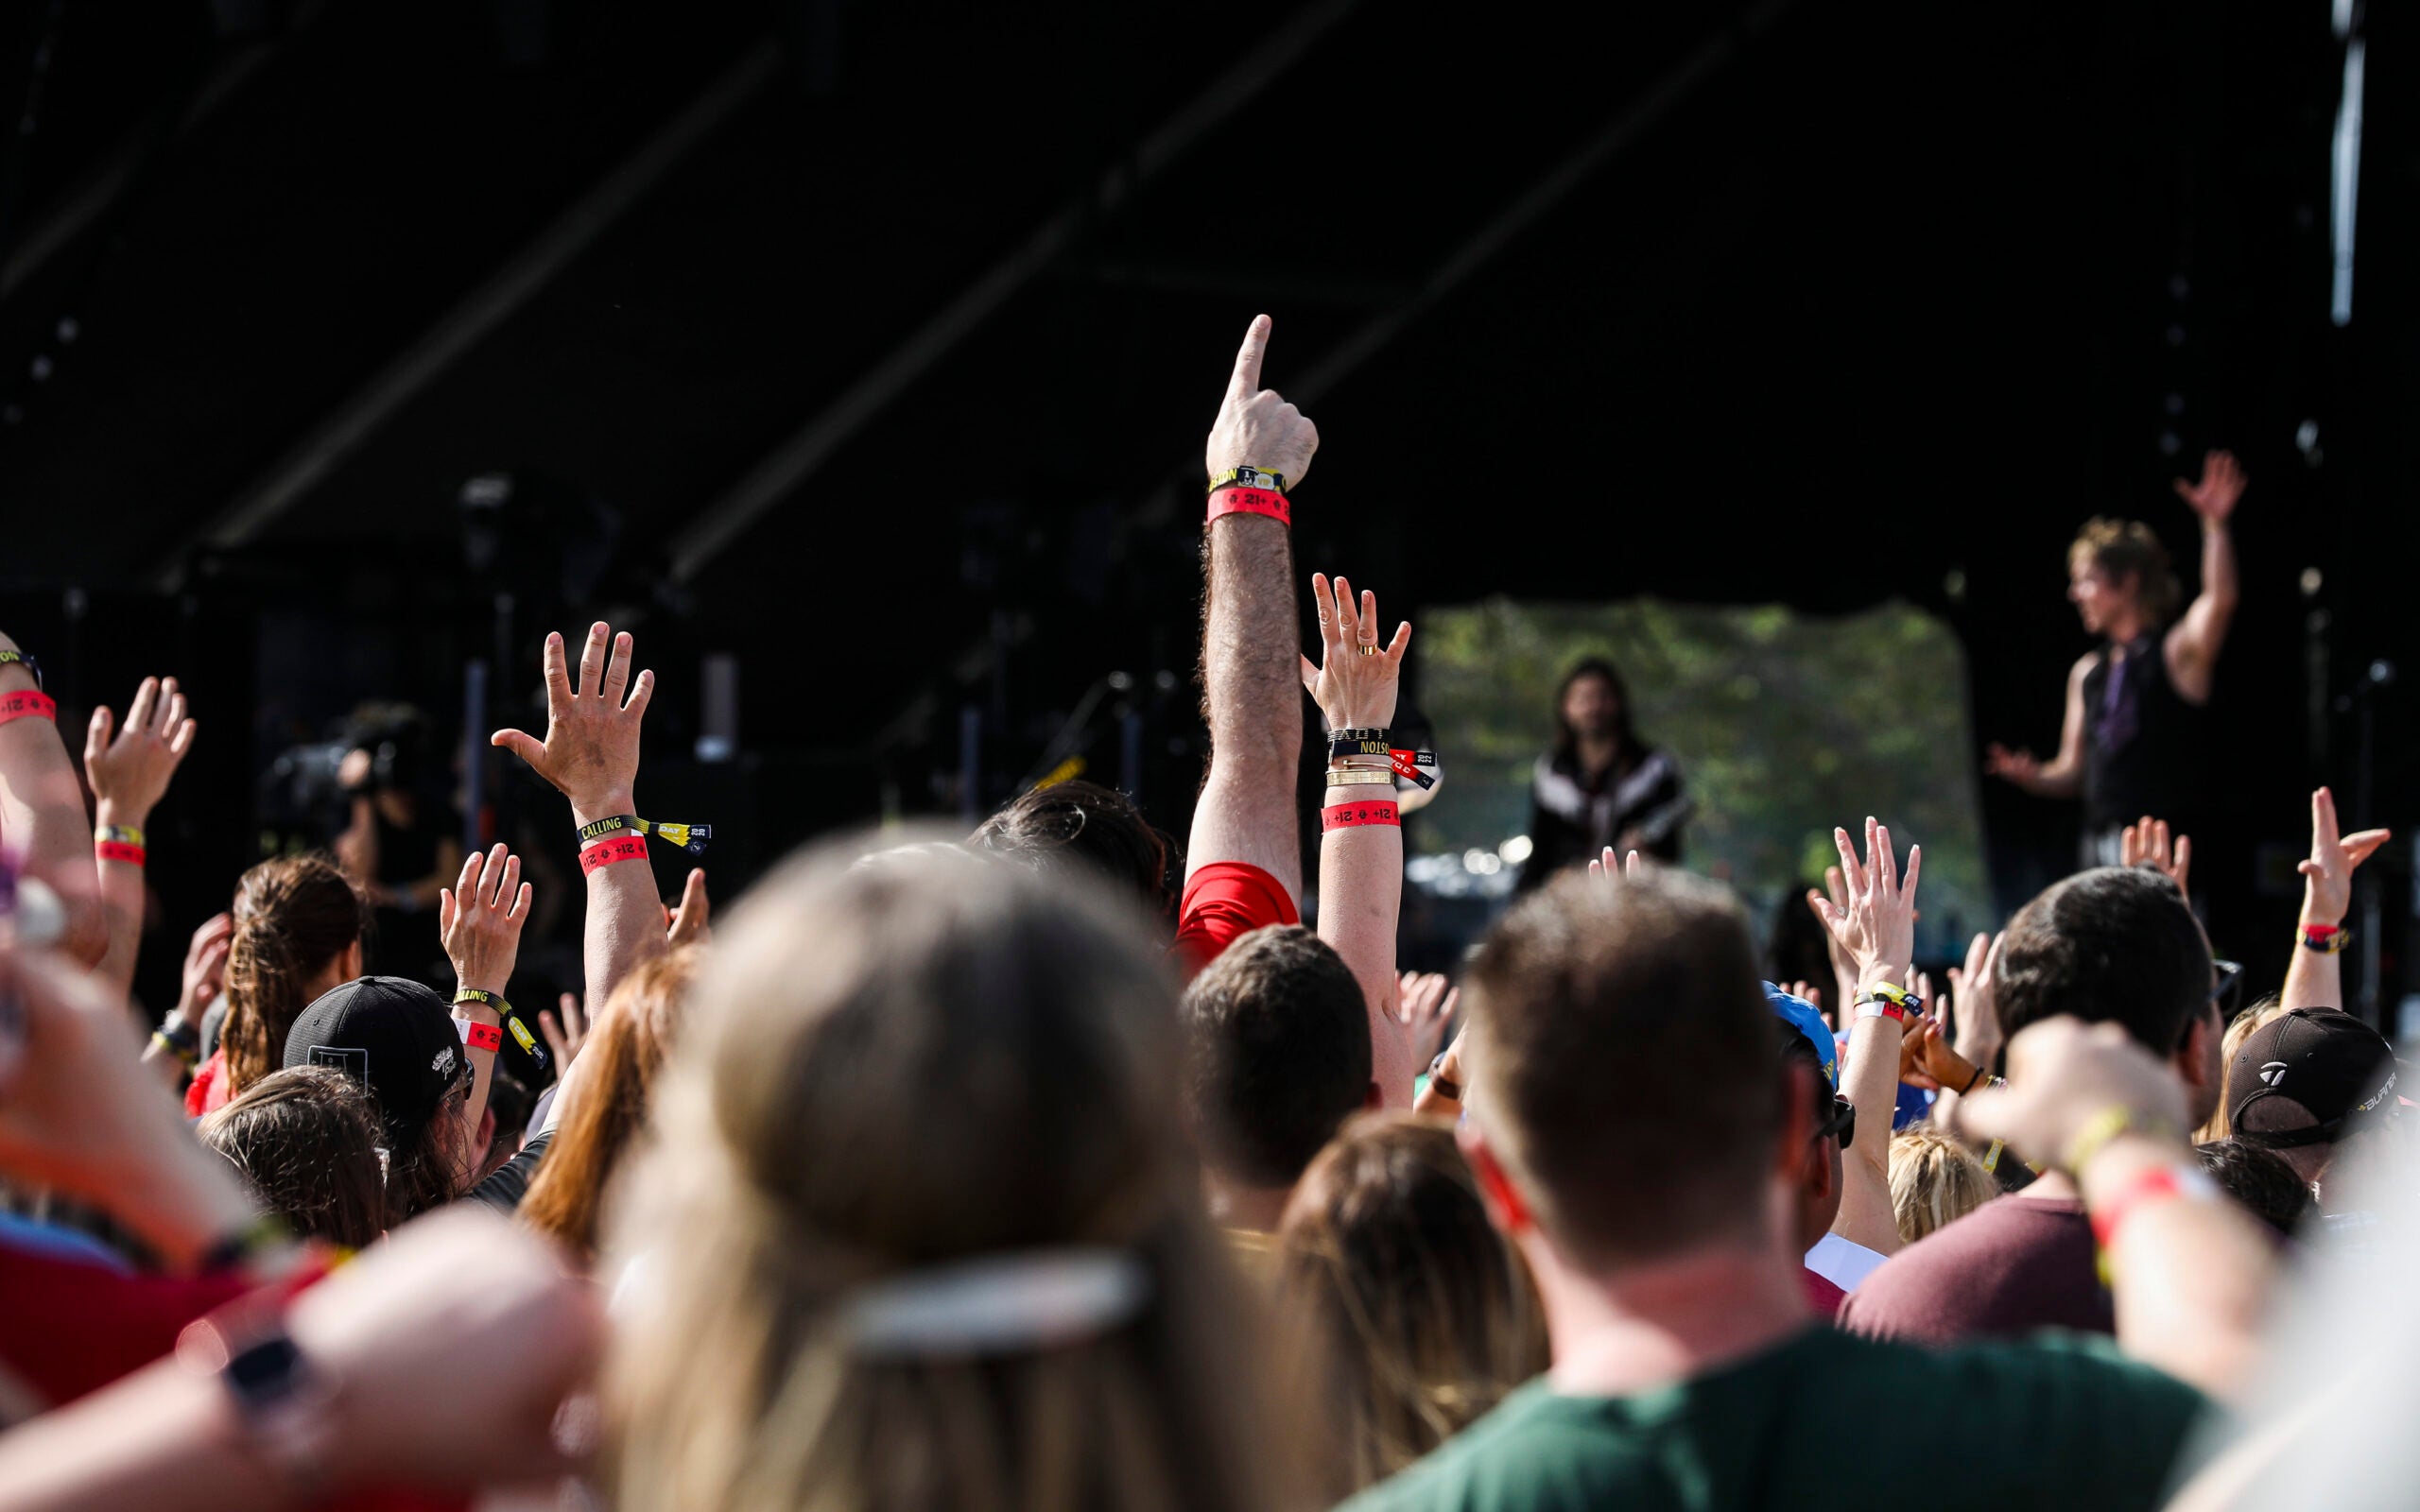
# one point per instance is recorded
(394, 1036)
(2317, 1062)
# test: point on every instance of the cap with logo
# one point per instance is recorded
(2307, 1077)
(394, 1036)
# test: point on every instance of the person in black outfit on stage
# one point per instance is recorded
(1600, 785)
(2129, 746)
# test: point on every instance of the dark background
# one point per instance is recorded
(874, 343)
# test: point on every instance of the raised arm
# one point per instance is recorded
(42, 810)
(1250, 696)
(2316, 978)
(2193, 642)
(2191, 1273)
(1360, 831)
(479, 920)
(1878, 931)
(130, 770)
(2062, 776)
(591, 755)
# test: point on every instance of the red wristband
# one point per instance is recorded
(1252, 501)
(27, 704)
(605, 853)
(482, 1036)
(1350, 815)
(2147, 1189)
(118, 851)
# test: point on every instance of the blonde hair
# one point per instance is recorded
(1934, 1181)
(1400, 1294)
(2220, 1124)
(2129, 547)
(890, 1069)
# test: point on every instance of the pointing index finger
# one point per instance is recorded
(1246, 381)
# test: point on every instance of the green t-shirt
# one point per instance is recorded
(2061, 1422)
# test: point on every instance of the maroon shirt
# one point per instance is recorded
(2012, 1267)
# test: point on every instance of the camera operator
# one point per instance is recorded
(399, 844)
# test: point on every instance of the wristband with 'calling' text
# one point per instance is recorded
(26, 705)
(689, 837)
(1350, 815)
(1252, 501)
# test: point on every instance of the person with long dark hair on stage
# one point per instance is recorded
(1600, 784)
(2134, 704)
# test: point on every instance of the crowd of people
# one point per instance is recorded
(1058, 1167)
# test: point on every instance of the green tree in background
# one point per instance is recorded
(1784, 725)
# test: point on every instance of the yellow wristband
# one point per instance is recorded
(2106, 1126)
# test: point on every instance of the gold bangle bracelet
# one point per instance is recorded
(1361, 777)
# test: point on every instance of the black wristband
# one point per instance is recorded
(1971, 1081)
(25, 658)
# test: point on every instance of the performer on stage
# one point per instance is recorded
(1600, 785)
(2134, 705)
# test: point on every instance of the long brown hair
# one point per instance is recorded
(293, 916)
(307, 1141)
(923, 1062)
(1416, 1313)
(631, 1040)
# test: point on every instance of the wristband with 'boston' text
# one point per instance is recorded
(1252, 501)
(28, 705)
(23, 659)
(1249, 477)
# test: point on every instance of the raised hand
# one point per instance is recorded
(591, 752)
(2146, 842)
(1355, 682)
(2327, 876)
(1428, 1001)
(205, 973)
(480, 919)
(1255, 427)
(130, 768)
(565, 1033)
(1606, 868)
(1973, 1008)
(1878, 928)
(687, 924)
(2062, 1077)
(2222, 483)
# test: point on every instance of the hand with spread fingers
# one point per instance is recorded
(1255, 427)
(1972, 1011)
(1356, 680)
(591, 752)
(130, 768)
(566, 1028)
(1607, 868)
(480, 919)
(2146, 842)
(1876, 929)
(2214, 498)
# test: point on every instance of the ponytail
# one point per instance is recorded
(293, 917)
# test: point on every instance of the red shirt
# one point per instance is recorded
(1223, 902)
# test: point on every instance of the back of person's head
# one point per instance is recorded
(1417, 1312)
(396, 1038)
(307, 1142)
(2114, 945)
(1606, 1017)
(2259, 1179)
(1820, 1183)
(629, 1041)
(921, 1228)
(2129, 548)
(1087, 827)
(1935, 1181)
(1277, 1055)
(293, 917)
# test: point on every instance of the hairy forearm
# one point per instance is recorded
(1251, 688)
(1361, 894)
(2190, 1278)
